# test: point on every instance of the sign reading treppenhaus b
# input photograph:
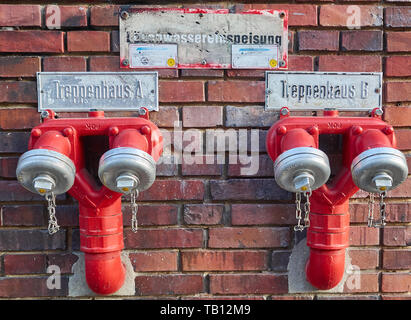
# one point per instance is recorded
(199, 38)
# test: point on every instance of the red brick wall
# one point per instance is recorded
(205, 230)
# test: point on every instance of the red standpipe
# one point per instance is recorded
(328, 233)
(100, 218)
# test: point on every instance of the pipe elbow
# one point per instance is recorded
(325, 268)
(105, 272)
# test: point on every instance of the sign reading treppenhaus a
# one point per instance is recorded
(109, 91)
(199, 38)
(353, 91)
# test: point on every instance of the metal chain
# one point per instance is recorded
(307, 205)
(298, 227)
(371, 221)
(371, 210)
(51, 208)
(383, 205)
(134, 209)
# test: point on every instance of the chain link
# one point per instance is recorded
(383, 205)
(298, 211)
(371, 221)
(134, 209)
(298, 227)
(371, 210)
(53, 227)
(307, 208)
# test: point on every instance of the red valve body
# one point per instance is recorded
(100, 217)
(328, 234)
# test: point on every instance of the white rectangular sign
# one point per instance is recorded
(354, 91)
(153, 55)
(251, 56)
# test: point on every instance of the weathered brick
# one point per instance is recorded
(248, 283)
(16, 240)
(8, 167)
(65, 16)
(318, 40)
(403, 143)
(300, 63)
(350, 63)
(396, 259)
(251, 166)
(364, 236)
(104, 16)
(14, 142)
(203, 73)
(247, 189)
(397, 236)
(236, 91)
(64, 261)
(398, 17)
(23, 215)
(364, 258)
(395, 296)
(24, 263)
(200, 117)
(163, 238)
(349, 297)
(32, 41)
(16, 66)
(398, 66)
(84, 41)
(152, 215)
(398, 41)
(364, 40)
(23, 287)
(166, 166)
(181, 91)
(248, 237)
(165, 117)
(204, 214)
(224, 260)
(154, 261)
(343, 16)
(206, 165)
(245, 73)
(398, 116)
(169, 284)
(259, 214)
(368, 283)
(396, 282)
(20, 15)
(18, 91)
(64, 64)
(19, 118)
(280, 260)
(174, 190)
(249, 116)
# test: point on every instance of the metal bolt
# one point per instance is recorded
(382, 181)
(44, 184)
(281, 63)
(282, 15)
(204, 62)
(126, 183)
(284, 111)
(268, 92)
(378, 112)
(44, 114)
(142, 111)
(125, 62)
(303, 181)
(124, 15)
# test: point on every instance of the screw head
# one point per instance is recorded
(124, 15)
(125, 62)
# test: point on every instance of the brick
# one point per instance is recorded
(248, 237)
(300, 63)
(236, 91)
(364, 258)
(398, 66)
(398, 116)
(318, 40)
(343, 16)
(19, 66)
(403, 143)
(248, 283)
(298, 15)
(280, 260)
(170, 284)
(18, 91)
(396, 259)
(350, 63)
(64, 261)
(19, 240)
(262, 214)
(247, 189)
(165, 117)
(67, 215)
(398, 41)
(397, 236)
(224, 260)
(152, 215)
(207, 165)
(174, 190)
(399, 212)
(398, 17)
(14, 142)
(112, 63)
(166, 166)
(20, 215)
(368, 283)
(24, 263)
(104, 16)
(395, 297)
(363, 40)
(349, 297)
(24, 287)
(251, 166)
(19, 118)
(396, 282)
(154, 261)
(249, 116)
(32, 41)
(8, 167)
(115, 41)
(84, 41)
(204, 214)
(245, 73)
(364, 236)
(202, 73)
(69, 16)
(64, 64)
(181, 91)
(163, 238)
(202, 117)
(20, 15)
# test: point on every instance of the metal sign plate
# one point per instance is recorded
(108, 91)
(351, 91)
(204, 38)
(264, 57)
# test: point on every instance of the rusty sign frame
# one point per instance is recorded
(125, 12)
